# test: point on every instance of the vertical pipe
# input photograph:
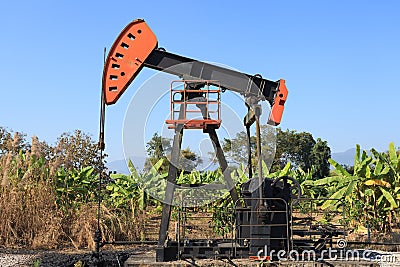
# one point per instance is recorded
(97, 235)
(249, 163)
(259, 161)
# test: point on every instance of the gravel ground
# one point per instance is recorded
(9, 259)
(65, 258)
(116, 256)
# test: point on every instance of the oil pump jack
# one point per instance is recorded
(262, 216)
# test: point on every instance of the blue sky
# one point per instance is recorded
(341, 61)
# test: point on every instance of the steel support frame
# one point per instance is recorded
(162, 251)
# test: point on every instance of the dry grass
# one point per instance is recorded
(29, 216)
(114, 225)
(31, 213)
(31, 219)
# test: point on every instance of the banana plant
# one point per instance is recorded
(74, 187)
(308, 185)
(369, 190)
(127, 190)
(286, 171)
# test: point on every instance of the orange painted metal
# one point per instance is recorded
(126, 57)
(186, 121)
(275, 116)
(260, 258)
(193, 124)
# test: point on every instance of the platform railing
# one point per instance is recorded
(195, 108)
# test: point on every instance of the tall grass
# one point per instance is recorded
(43, 205)
(28, 214)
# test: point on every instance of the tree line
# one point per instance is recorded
(299, 148)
